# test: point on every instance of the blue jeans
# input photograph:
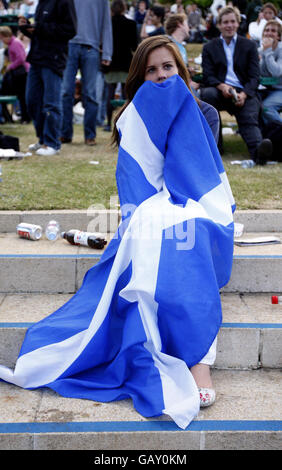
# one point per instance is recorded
(43, 100)
(102, 96)
(87, 59)
(272, 105)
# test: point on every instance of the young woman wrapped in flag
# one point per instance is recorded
(144, 323)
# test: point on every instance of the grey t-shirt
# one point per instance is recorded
(94, 26)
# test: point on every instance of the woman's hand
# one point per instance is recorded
(146, 19)
(143, 33)
(268, 42)
(22, 21)
(260, 17)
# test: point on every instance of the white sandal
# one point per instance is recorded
(207, 396)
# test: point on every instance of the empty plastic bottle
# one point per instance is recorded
(248, 164)
(77, 237)
(52, 230)
(0, 173)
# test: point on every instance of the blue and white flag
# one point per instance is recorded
(150, 309)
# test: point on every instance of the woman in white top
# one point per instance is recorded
(267, 13)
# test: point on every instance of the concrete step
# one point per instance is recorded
(91, 219)
(58, 267)
(106, 220)
(246, 375)
(257, 268)
(246, 416)
(250, 336)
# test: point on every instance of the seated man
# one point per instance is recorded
(231, 77)
(271, 67)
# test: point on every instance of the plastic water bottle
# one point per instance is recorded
(0, 173)
(52, 230)
(248, 164)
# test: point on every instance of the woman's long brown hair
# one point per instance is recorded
(136, 74)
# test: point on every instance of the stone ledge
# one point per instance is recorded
(254, 220)
(246, 415)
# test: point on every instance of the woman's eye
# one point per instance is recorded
(151, 70)
(167, 66)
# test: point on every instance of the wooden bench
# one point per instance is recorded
(117, 103)
(8, 99)
(198, 78)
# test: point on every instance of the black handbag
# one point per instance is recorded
(9, 142)
(11, 79)
(18, 72)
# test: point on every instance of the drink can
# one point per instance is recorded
(276, 299)
(29, 231)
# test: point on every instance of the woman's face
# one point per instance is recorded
(155, 20)
(160, 65)
(5, 39)
(271, 31)
(268, 14)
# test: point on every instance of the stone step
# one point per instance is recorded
(58, 267)
(245, 416)
(250, 336)
(106, 220)
(92, 219)
(259, 220)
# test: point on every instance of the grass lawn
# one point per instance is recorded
(70, 181)
(254, 188)
(64, 181)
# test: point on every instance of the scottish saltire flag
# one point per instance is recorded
(150, 309)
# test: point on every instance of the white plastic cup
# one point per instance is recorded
(238, 230)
